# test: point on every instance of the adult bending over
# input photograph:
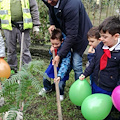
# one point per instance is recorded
(70, 16)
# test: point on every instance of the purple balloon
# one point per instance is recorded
(116, 97)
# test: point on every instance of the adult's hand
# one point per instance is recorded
(56, 60)
(36, 30)
(51, 28)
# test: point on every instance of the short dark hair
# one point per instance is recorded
(111, 25)
(93, 32)
(56, 34)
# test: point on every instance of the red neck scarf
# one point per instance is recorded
(55, 52)
(104, 58)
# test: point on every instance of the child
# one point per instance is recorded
(94, 39)
(57, 41)
(105, 64)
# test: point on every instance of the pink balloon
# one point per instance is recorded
(116, 97)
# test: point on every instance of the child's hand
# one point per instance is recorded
(58, 79)
(52, 49)
(82, 77)
(56, 61)
(91, 49)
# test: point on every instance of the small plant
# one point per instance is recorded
(14, 89)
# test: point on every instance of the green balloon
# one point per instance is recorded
(96, 106)
(79, 90)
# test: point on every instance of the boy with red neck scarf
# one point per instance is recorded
(106, 65)
(56, 40)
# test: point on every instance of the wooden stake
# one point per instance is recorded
(21, 51)
(21, 54)
(57, 92)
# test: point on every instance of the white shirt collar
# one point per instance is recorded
(56, 6)
(116, 47)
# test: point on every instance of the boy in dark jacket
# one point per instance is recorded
(106, 63)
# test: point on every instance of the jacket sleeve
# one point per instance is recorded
(50, 52)
(64, 66)
(2, 46)
(50, 19)
(89, 69)
(72, 28)
(118, 83)
(34, 12)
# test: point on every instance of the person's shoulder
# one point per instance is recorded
(71, 4)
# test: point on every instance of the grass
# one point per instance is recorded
(45, 107)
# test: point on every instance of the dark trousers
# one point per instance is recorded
(113, 115)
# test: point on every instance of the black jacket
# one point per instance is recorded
(74, 23)
(109, 77)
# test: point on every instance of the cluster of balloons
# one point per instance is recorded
(93, 106)
(4, 70)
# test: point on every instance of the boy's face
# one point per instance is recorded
(93, 41)
(108, 39)
(56, 43)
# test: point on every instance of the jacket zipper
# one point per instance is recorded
(98, 77)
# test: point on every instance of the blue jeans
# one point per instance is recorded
(77, 64)
(48, 85)
(96, 89)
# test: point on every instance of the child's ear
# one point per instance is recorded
(99, 39)
(117, 35)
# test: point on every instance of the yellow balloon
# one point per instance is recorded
(4, 70)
